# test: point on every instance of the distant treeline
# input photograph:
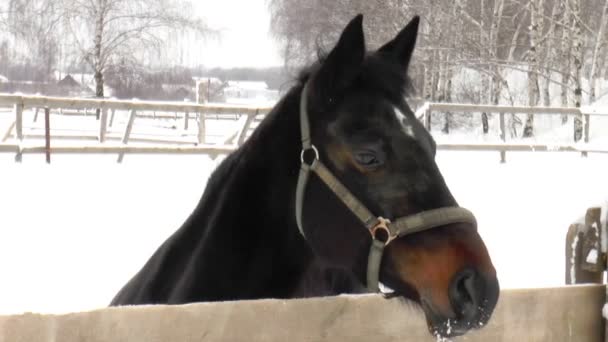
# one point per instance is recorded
(172, 83)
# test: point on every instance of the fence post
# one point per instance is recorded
(427, 119)
(47, 133)
(9, 132)
(18, 109)
(202, 96)
(581, 239)
(243, 133)
(103, 125)
(112, 117)
(127, 134)
(503, 137)
(186, 119)
(586, 119)
(201, 127)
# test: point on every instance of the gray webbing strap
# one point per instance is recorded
(403, 226)
(351, 202)
(304, 168)
(304, 124)
(431, 219)
(374, 261)
(300, 189)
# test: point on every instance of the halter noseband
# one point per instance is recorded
(421, 221)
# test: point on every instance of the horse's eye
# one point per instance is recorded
(367, 159)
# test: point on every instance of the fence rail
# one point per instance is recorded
(20, 142)
(563, 314)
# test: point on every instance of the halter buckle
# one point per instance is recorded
(304, 150)
(382, 226)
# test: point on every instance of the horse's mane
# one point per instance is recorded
(377, 72)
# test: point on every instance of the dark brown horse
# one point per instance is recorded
(288, 214)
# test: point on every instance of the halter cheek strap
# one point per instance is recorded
(382, 231)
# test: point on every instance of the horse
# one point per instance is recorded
(336, 192)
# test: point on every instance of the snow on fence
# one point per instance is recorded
(103, 141)
(424, 113)
(587, 248)
(572, 313)
(587, 251)
(135, 109)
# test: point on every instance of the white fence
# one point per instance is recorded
(110, 139)
(424, 113)
(17, 141)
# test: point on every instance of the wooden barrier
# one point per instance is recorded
(586, 250)
(425, 114)
(80, 103)
(135, 109)
(570, 313)
(248, 116)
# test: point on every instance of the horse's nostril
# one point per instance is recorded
(464, 294)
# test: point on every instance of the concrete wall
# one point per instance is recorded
(558, 314)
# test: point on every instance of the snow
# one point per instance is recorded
(605, 311)
(573, 260)
(73, 232)
(592, 257)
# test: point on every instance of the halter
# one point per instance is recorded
(382, 230)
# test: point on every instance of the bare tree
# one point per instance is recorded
(536, 29)
(106, 31)
(599, 47)
(566, 51)
(543, 38)
(33, 27)
(577, 63)
(550, 52)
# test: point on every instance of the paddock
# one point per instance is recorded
(571, 313)
(29, 134)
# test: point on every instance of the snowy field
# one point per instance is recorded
(73, 232)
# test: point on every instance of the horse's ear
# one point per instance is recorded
(402, 46)
(341, 65)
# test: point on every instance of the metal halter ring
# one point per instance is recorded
(382, 225)
(314, 149)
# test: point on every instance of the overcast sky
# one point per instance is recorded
(245, 41)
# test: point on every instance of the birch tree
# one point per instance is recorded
(598, 51)
(496, 86)
(577, 63)
(543, 38)
(566, 52)
(105, 31)
(550, 51)
(483, 55)
(536, 14)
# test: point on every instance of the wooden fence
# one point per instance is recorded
(425, 113)
(16, 141)
(563, 314)
(586, 251)
(247, 116)
(586, 248)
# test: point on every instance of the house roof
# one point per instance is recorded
(68, 82)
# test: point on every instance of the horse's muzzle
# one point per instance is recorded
(473, 298)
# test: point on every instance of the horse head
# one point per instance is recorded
(358, 123)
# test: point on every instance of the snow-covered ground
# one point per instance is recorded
(73, 232)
